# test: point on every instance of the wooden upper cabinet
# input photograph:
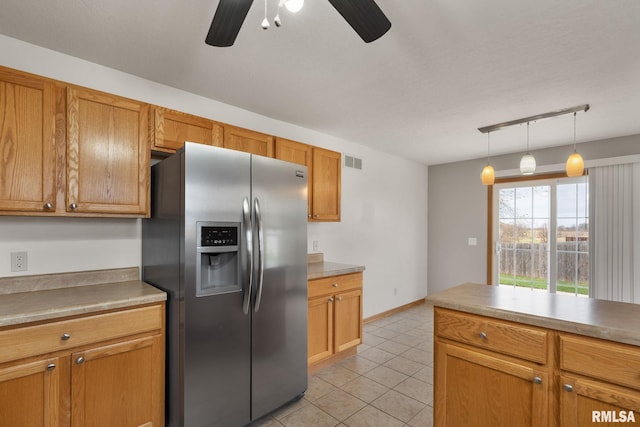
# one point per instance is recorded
(323, 176)
(169, 130)
(27, 143)
(326, 184)
(247, 140)
(302, 154)
(108, 155)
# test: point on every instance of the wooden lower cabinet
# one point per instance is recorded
(105, 383)
(600, 380)
(477, 389)
(335, 316)
(30, 393)
(586, 402)
(490, 371)
(320, 335)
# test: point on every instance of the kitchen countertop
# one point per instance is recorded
(614, 321)
(318, 270)
(25, 299)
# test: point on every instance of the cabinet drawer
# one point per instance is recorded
(605, 360)
(523, 341)
(29, 341)
(334, 284)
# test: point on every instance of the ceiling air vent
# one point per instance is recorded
(352, 162)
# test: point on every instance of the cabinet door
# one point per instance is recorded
(30, 394)
(27, 143)
(320, 324)
(296, 152)
(327, 167)
(119, 385)
(247, 140)
(107, 154)
(476, 389)
(170, 129)
(584, 402)
(348, 320)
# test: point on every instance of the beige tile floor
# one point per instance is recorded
(388, 383)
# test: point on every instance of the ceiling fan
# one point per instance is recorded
(364, 16)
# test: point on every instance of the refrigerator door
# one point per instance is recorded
(216, 357)
(279, 324)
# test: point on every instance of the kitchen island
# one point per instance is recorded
(512, 356)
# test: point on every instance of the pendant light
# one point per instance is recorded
(575, 164)
(528, 162)
(488, 176)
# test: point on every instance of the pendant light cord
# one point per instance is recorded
(488, 147)
(527, 137)
(574, 132)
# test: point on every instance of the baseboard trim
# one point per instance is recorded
(393, 311)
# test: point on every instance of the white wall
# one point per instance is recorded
(384, 206)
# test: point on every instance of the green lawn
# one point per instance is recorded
(525, 282)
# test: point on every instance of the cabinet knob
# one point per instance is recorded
(331, 299)
(51, 366)
(483, 335)
(65, 337)
(309, 215)
(339, 298)
(316, 216)
(80, 360)
(48, 206)
(73, 206)
(537, 380)
(568, 387)
(335, 285)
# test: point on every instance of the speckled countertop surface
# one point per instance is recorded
(608, 320)
(319, 270)
(27, 299)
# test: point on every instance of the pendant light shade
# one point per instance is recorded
(488, 176)
(528, 162)
(575, 164)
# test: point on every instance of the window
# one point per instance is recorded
(541, 234)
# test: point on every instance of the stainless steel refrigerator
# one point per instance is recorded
(227, 240)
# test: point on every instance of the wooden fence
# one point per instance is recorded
(531, 260)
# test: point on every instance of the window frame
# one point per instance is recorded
(490, 213)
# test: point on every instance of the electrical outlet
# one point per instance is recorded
(315, 246)
(395, 291)
(18, 261)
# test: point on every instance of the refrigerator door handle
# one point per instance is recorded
(258, 216)
(248, 235)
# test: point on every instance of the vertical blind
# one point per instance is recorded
(615, 227)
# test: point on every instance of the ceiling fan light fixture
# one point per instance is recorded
(294, 6)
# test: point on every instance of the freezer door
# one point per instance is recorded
(279, 324)
(216, 357)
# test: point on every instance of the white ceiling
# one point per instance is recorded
(444, 69)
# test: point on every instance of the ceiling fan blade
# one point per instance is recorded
(227, 21)
(364, 16)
